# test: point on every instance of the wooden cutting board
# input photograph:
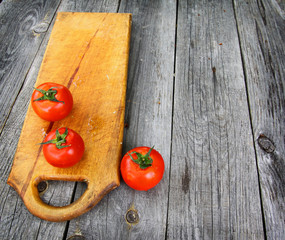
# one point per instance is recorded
(88, 53)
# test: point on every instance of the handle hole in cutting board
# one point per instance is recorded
(60, 193)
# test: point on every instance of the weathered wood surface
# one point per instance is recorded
(261, 26)
(214, 192)
(22, 28)
(228, 59)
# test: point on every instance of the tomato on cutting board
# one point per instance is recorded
(142, 168)
(63, 147)
(52, 101)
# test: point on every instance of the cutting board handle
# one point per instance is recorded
(92, 195)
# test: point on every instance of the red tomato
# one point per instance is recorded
(52, 101)
(142, 168)
(63, 147)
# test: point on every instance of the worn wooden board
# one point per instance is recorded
(256, 40)
(88, 53)
(261, 26)
(214, 191)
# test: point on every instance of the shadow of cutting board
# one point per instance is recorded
(88, 53)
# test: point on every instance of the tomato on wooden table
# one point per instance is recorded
(142, 168)
(63, 147)
(52, 101)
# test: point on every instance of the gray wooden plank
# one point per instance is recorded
(148, 117)
(214, 192)
(261, 26)
(89, 6)
(23, 26)
(16, 221)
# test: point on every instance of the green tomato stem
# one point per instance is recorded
(144, 161)
(60, 139)
(48, 95)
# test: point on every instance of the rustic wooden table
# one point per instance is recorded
(206, 86)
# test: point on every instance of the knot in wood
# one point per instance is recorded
(76, 237)
(41, 27)
(42, 186)
(266, 144)
(132, 216)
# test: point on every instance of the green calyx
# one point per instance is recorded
(48, 95)
(144, 161)
(60, 139)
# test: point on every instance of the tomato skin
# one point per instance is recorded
(49, 110)
(65, 157)
(142, 179)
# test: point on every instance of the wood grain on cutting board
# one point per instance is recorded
(88, 53)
